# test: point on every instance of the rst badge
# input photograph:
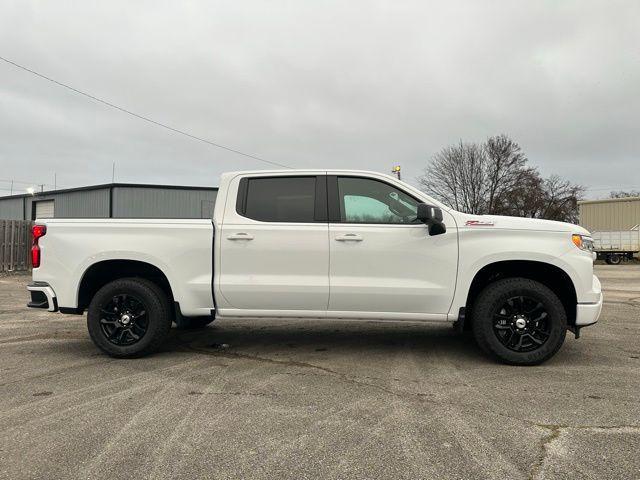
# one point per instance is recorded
(479, 223)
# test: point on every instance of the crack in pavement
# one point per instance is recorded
(554, 433)
(295, 363)
(602, 428)
(236, 394)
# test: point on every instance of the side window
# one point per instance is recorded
(280, 199)
(364, 200)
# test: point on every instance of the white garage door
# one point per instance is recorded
(44, 209)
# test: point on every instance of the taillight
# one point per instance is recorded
(37, 232)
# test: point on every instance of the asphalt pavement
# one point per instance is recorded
(298, 399)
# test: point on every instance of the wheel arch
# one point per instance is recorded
(100, 273)
(547, 274)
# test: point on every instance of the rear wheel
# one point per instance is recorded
(519, 321)
(614, 259)
(129, 317)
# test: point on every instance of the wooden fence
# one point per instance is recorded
(15, 245)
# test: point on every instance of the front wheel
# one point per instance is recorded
(519, 321)
(129, 317)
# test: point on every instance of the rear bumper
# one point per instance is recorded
(42, 296)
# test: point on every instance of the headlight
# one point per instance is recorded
(583, 242)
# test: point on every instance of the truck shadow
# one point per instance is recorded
(289, 337)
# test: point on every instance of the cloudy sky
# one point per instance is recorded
(315, 84)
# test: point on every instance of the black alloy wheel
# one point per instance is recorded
(519, 321)
(522, 324)
(124, 320)
(129, 317)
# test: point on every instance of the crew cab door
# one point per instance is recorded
(381, 258)
(274, 249)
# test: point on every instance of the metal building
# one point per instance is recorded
(113, 200)
(611, 214)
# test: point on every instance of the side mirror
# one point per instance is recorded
(432, 217)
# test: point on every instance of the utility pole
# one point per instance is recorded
(11, 187)
(55, 181)
(396, 171)
(113, 172)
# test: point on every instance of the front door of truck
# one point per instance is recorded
(381, 258)
(274, 244)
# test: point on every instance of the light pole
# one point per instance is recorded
(396, 171)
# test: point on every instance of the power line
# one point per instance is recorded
(15, 189)
(4, 180)
(142, 117)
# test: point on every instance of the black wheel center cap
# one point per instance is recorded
(520, 323)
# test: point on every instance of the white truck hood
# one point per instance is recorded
(517, 223)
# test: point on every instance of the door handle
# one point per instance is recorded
(349, 237)
(240, 236)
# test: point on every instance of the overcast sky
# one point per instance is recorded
(316, 84)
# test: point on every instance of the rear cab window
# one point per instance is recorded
(287, 199)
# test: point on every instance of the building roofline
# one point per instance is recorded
(106, 186)
(609, 200)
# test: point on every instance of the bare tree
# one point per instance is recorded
(526, 200)
(506, 169)
(560, 199)
(494, 178)
(474, 177)
(457, 175)
(549, 198)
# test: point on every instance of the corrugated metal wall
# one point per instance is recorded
(12, 209)
(128, 202)
(133, 202)
(80, 204)
(614, 214)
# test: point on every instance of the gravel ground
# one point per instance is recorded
(309, 399)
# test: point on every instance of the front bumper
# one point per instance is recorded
(42, 296)
(588, 313)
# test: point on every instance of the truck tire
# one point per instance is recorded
(519, 321)
(613, 259)
(129, 317)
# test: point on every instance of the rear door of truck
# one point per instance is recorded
(274, 247)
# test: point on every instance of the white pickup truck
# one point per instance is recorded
(321, 244)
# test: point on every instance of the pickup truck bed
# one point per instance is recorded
(78, 250)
